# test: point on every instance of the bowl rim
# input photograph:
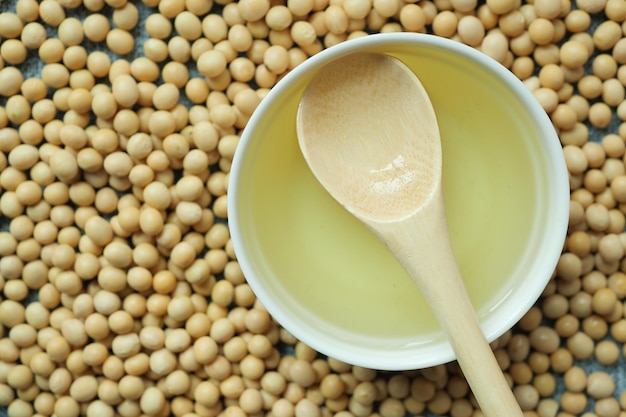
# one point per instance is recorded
(559, 200)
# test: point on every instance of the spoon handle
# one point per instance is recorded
(421, 243)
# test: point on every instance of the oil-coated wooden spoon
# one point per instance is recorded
(368, 131)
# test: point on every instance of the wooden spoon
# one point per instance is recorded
(368, 131)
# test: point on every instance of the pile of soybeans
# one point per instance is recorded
(120, 294)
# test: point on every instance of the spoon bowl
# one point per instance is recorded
(384, 180)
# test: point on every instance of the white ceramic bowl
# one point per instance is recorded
(332, 284)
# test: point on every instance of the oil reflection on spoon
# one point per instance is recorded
(392, 178)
